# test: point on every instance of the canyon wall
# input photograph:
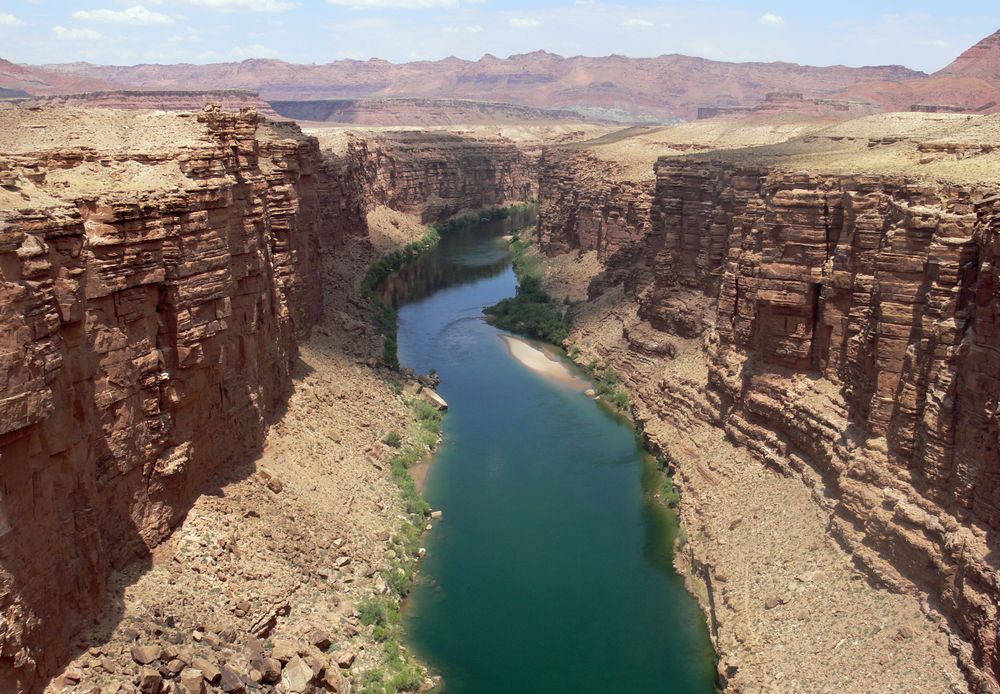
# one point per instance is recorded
(151, 319)
(850, 327)
(147, 342)
(435, 175)
(589, 205)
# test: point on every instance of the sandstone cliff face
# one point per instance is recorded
(146, 342)
(850, 333)
(151, 318)
(586, 206)
(435, 175)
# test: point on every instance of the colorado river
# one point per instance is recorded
(550, 570)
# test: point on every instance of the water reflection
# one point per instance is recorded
(465, 254)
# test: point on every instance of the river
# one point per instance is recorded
(551, 569)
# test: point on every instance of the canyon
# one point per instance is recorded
(160, 272)
(838, 328)
(803, 306)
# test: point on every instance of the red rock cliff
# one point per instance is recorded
(884, 293)
(147, 341)
(435, 175)
(148, 337)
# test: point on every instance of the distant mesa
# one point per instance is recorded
(667, 88)
(664, 89)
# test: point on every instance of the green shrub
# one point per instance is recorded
(378, 611)
(531, 311)
(373, 682)
(669, 494)
(393, 439)
(608, 387)
(408, 679)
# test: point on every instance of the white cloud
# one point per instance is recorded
(253, 51)
(475, 29)
(133, 15)
(585, 2)
(9, 20)
(395, 4)
(192, 36)
(524, 23)
(244, 5)
(75, 34)
(771, 19)
(634, 22)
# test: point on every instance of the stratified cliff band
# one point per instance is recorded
(153, 291)
(847, 330)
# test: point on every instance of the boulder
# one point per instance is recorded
(431, 396)
(297, 675)
(192, 681)
(269, 669)
(345, 658)
(150, 681)
(210, 672)
(144, 655)
(320, 638)
(231, 681)
(284, 650)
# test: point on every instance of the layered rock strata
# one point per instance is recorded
(153, 295)
(148, 339)
(589, 206)
(434, 175)
(174, 100)
(841, 329)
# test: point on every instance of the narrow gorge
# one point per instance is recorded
(196, 427)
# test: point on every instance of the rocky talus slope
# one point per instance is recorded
(158, 275)
(816, 355)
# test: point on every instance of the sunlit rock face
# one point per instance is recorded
(851, 330)
(152, 299)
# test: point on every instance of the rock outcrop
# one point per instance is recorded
(174, 100)
(148, 341)
(848, 332)
(589, 205)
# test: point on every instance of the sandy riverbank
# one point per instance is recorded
(541, 362)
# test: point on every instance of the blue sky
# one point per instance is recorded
(920, 34)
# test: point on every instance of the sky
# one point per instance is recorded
(919, 34)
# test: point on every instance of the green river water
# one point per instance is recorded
(551, 568)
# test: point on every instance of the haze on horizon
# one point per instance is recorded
(920, 34)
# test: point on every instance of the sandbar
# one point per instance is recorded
(540, 362)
